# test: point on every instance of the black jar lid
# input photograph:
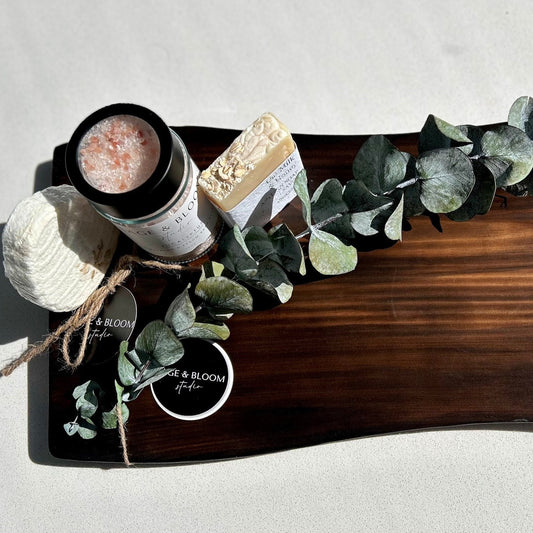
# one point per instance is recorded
(152, 195)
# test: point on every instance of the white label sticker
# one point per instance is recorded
(269, 197)
(181, 229)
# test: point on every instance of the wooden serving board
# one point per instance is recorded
(434, 331)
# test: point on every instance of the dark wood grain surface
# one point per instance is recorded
(432, 332)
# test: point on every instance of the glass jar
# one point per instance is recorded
(137, 173)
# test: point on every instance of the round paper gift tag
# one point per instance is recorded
(115, 323)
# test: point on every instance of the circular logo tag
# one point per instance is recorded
(114, 323)
(198, 384)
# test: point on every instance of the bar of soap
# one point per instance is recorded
(57, 248)
(253, 179)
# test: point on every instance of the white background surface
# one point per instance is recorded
(329, 67)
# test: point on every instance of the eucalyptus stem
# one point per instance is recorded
(404, 185)
(74, 422)
(143, 370)
(319, 225)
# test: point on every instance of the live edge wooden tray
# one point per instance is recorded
(432, 332)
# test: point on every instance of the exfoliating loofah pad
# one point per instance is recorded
(57, 248)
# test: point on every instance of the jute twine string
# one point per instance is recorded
(122, 434)
(82, 318)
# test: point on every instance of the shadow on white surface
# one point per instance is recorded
(35, 327)
(43, 176)
(38, 403)
(17, 316)
(22, 320)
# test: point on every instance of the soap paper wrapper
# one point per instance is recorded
(268, 198)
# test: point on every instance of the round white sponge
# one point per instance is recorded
(57, 248)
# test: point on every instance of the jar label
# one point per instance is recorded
(180, 231)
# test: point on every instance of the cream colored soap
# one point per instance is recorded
(241, 169)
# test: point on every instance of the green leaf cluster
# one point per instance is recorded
(256, 259)
(456, 173)
(521, 117)
(157, 347)
(497, 157)
(87, 399)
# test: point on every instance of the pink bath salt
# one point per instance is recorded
(119, 153)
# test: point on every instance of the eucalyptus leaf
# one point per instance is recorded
(366, 222)
(301, 189)
(475, 134)
(208, 330)
(158, 341)
(224, 295)
(89, 386)
(437, 133)
(328, 201)
(236, 255)
(151, 377)
(211, 269)
(359, 198)
(110, 418)
(127, 372)
(86, 398)
(446, 179)
(151, 369)
(341, 227)
(480, 200)
(154, 372)
(71, 428)
(278, 245)
(180, 314)
(139, 360)
(87, 428)
(258, 243)
(521, 115)
(413, 206)
(125, 412)
(123, 347)
(393, 226)
(131, 393)
(380, 165)
(510, 145)
(329, 255)
(272, 280)
(119, 391)
(288, 251)
(410, 171)
(498, 168)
